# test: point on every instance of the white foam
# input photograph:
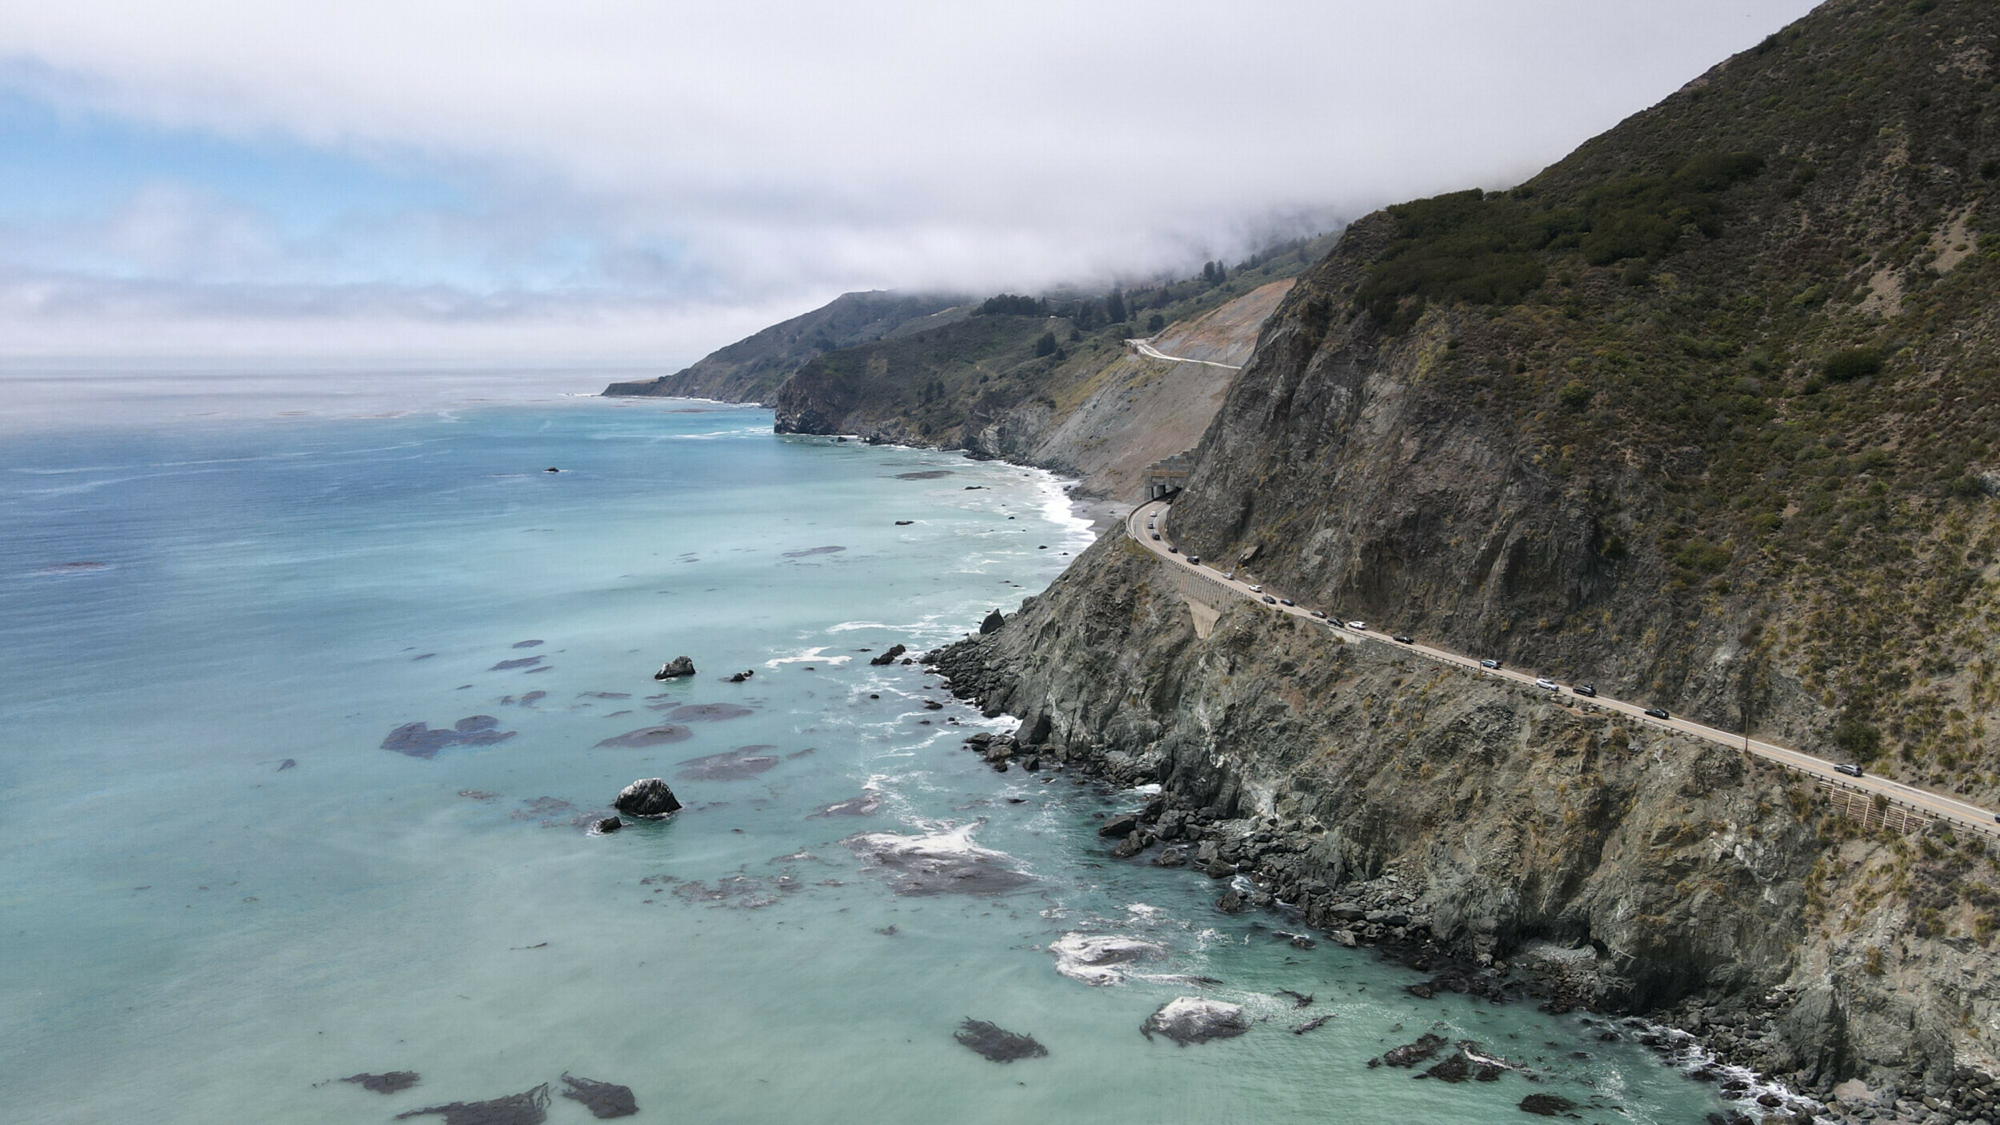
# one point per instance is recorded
(809, 656)
(1099, 959)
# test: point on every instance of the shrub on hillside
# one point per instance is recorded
(1849, 364)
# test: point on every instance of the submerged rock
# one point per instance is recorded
(1191, 1019)
(530, 1107)
(1410, 1054)
(674, 669)
(518, 662)
(1313, 1024)
(388, 1083)
(1546, 1105)
(708, 712)
(647, 797)
(998, 1044)
(288, 763)
(864, 805)
(1100, 958)
(603, 1099)
(649, 736)
(418, 740)
(890, 656)
(730, 765)
(1454, 1068)
(942, 863)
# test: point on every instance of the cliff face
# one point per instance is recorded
(750, 369)
(1099, 410)
(1705, 414)
(1684, 880)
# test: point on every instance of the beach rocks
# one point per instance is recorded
(741, 676)
(996, 1043)
(1119, 827)
(647, 797)
(418, 740)
(992, 623)
(530, 1107)
(890, 656)
(603, 1099)
(674, 669)
(388, 1083)
(607, 826)
(1191, 1019)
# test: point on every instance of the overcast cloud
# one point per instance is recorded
(594, 182)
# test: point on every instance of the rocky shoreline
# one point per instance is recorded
(1264, 863)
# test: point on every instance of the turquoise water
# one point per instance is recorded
(195, 934)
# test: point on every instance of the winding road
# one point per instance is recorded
(1147, 349)
(1948, 808)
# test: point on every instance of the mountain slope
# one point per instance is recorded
(750, 369)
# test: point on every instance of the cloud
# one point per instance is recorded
(595, 162)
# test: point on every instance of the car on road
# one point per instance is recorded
(1320, 613)
(1256, 589)
(1269, 600)
(1287, 601)
(1489, 664)
(1402, 640)
(1156, 537)
(1545, 683)
(1231, 576)
(1358, 626)
(1194, 560)
(1585, 690)
(1657, 713)
(1173, 550)
(1847, 768)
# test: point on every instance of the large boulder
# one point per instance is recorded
(648, 797)
(992, 623)
(1190, 1019)
(674, 669)
(890, 656)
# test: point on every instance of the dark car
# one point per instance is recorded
(1489, 664)
(1269, 600)
(1156, 536)
(1584, 689)
(1402, 640)
(1849, 770)
(1320, 613)
(1194, 560)
(1286, 601)
(1658, 713)
(1173, 550)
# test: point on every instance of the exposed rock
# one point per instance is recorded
(1119, 826)
(1313, 1024)
(1100, 959)
(607, 825)
(530, 1107)
(1191, 1019)
(647, 797)
(992, 623)
(1546, 1105)
(388, 1083)
(889, 656)
(603, 1099)
(741, 676)
(674, 669)
(941, 863)
(996, 1043)
(1410, 1054)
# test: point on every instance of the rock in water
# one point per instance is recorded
(741, 676)
(607, 825)
(992, 623)
(603, 1099)
(1410, 1054)
(530, 1107)
(674, 669)
(1190, 1019)
(288, 763)
(997, 1043)
(648, 797)
(1547, 1105)
(384, 1083)
(890, 656)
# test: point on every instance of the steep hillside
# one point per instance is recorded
(1705, 413)
(750, 369)
(1059, 388)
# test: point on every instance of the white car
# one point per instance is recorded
(1358, 626)
(1545, 683)
(1256, 589)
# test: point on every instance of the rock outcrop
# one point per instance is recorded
(675, 669)
(648, 797)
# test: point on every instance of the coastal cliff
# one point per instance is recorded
(1703, 413)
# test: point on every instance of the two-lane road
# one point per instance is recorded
(1149, 520)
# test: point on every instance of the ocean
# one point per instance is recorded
(222, 894)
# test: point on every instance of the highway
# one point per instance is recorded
(1949, 808)
(1147, 349)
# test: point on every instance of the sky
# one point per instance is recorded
(620, 184)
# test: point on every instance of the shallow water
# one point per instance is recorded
(198, 932)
